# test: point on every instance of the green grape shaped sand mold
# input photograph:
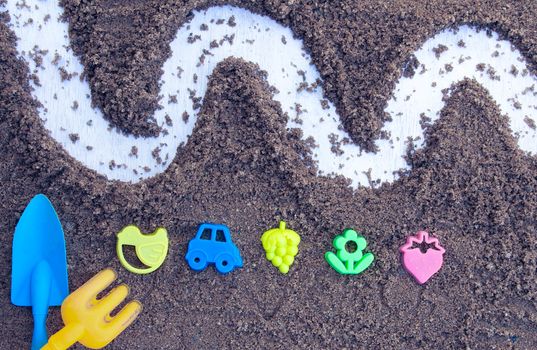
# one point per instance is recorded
(349, 260)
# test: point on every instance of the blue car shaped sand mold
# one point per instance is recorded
(213, 244)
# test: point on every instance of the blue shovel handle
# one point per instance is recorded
(39, 338)
(40, 290)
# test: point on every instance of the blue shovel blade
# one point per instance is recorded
(38, 238)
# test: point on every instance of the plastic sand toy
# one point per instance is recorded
(281, 246)
(422, 256)
(349, 258)
(87, 319)
(150, 249)
(213, 244)
(39, 267)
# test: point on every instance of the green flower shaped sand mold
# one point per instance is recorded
(345, 262)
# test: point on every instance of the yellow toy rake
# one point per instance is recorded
(87, 319)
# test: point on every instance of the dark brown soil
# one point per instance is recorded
(471, 187)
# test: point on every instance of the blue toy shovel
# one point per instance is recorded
(39, 271)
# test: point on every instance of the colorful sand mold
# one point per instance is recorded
(150, 249)
(349, 260)
(281, 246)
(213, 244)
(422, 265)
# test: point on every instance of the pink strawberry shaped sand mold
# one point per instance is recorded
(422, 265)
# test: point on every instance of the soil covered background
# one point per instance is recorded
(470, 186)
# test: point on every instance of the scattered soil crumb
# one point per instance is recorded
(172, 99)
(492, 73)
(480, 67)
(185, 117)
(66, 75)
(193, 38)
(196, 101)
(74, 137)
(530, 122)
(56, 59)
(156, 155)
(517, 105)
(134, 152)
(168, 120)
(439, 50)
(227, 38)
(336, 144)
(410, 66)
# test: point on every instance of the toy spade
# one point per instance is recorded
(87, 319)
(39, 268)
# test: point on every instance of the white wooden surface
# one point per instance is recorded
(259, 39)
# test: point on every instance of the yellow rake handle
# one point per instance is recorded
(64, 338)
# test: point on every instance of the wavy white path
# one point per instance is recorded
(258, 39)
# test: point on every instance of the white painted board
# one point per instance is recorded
(258, 39)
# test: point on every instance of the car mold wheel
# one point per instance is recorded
(224, 263)
(197, 260)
